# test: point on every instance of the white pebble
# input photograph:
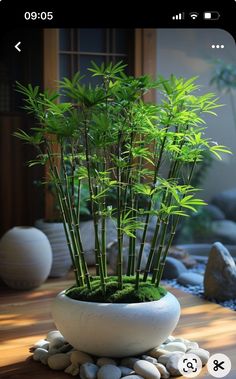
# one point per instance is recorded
(149, 359)
(146, 369)
(54, 334)
(105, 361)
(172, 364)
(78, 358)
(72, 370)
(108, 372)
(174, 346)
(179, 339)
(169, 339)
(59, 361)
(201, 353)
(41, 343)
(88, 371)
(191, 345)
(41, 355)
(126, 371)
(163, 371)
(163, 359)
(156, 352)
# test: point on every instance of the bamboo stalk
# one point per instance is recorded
(97, 244)
(119, 215)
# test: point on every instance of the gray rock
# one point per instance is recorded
(224, 231)
(88, 371)
(108, 372)
(173, 268)
(169, 339)
(163, 371)
(163, 359)
(220, 274)
(59, 361)
(133, 377)
(126, 371)
(79, 357)
(226, 201)
(129, 362)
(203, 354)
(191, 345)
(41, 355)
(105, 361)
(190, 278)
(149, 359)
(214, 212)
(172, 364)
(72, 370)
(175, 346)
(156, 352)
(88, 239)
(147, 370)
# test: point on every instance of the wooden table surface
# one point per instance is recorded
(25, 318)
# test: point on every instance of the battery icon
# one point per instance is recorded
(211, 15)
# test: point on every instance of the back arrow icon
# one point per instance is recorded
(17, 46)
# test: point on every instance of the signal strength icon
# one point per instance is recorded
(193, 15)
(179, 16)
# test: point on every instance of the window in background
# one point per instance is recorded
(78, 47)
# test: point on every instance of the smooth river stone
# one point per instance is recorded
(176, 346)
(133, 377)
(203, 354)
(163, 359)
(51, 336)
(41, 355)
(190, 279)
(126, 370)
(109, 372)
(88, 371)
(163, 371)
(169, 339)
(146, 369)
(191, 345)
(149, 359)
(59, 361)
(41, 343)
(78, 358)
(157, 352)
(129, 362)
(172, 364)
(106, 361)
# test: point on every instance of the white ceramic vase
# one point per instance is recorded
(55, 232)
(115, 330)
(26, 257)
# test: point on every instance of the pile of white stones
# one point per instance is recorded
(160, 362)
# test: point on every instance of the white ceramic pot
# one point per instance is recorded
(115, 330)
(55, 232)
(26, 257)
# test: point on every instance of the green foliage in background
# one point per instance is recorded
(109, 138)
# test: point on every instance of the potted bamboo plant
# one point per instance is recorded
(108, 137)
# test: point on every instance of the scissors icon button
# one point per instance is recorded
(219, 365)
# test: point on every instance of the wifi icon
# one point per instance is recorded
(193, 15)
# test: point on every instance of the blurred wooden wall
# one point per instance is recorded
(21, 201)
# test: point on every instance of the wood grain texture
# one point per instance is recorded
(25, 318)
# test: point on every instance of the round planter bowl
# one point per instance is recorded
(115, 330)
